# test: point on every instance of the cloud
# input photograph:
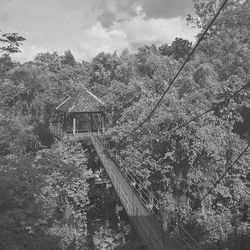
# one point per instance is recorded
(167, 8)
(107, 18)
(98, 39)
(131, 34)
(87, 27)
(28, 53)
(113, 10)
(5, 5)
(141, 31)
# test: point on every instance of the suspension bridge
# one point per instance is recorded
(82, 116)
(84, 112)
(140, 204)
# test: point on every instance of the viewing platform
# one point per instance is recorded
(78, 115)
(82, 116)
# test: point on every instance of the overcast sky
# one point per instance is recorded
(87, 27)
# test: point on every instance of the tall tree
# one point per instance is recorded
(10, 42)
(182, 165)
(5, 65)
(68, 59)
(180, 48)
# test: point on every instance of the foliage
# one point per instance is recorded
(180, 48)
(33, 90)
(43, 200)
(43, 197)
(180, 166)
(5, 65)
(16, 138)
(10, 42)
(68, 59)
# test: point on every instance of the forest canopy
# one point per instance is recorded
(179, 165)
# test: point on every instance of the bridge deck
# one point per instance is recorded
(145, 224)
(141, 211)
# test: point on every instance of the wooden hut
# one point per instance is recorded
(78, 115)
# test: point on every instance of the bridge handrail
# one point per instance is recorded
(139, 191)
(185, 241)
(138, 181)
(152, 202)
(182, 233)
(190, 237)
(151, 206)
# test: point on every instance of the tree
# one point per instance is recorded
(24, 83)
(44, 199)
(146, 60)
(206, 10)
(103, 68)
(119, 97)
(5, 65)
(48, 61)
(227, 48)
(10, 42)
(180, 48)
(17, 136)
(68, 59)
(182, 165)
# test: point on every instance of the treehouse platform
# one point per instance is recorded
(82, 116)
(78, 115)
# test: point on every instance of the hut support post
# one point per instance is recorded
(103, 123)
(74, 126)
(91, 122)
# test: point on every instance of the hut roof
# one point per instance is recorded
(82, 101)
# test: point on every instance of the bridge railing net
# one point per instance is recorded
(180, 235)
(146, 195)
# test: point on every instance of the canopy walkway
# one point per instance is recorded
(83, 112)
(146, 226)
(140, 204)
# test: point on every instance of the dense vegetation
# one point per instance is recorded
(39, 192)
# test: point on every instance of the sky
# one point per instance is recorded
(88, 27)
